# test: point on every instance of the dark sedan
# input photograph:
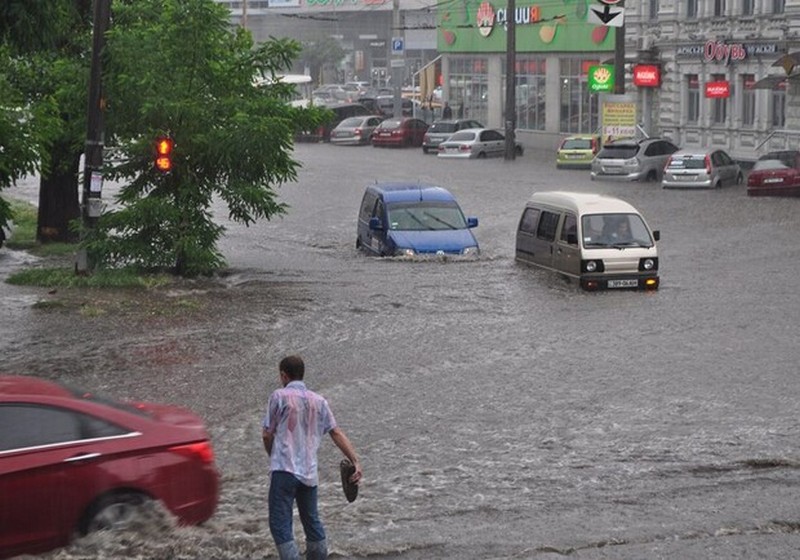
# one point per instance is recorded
(72, 463)
(406, 131)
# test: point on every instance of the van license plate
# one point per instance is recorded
(627, 283)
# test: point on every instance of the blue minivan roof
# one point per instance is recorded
(407, 192)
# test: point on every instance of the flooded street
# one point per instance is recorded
(499, 411)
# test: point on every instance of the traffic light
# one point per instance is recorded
(164, 145)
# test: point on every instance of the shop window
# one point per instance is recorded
(719, 106)
(653, 9)
(779, 106)
(578, 107)
(748, 7)
(530, 92)
(778, 6)
(469, 87)
(719, 7)
(692, 99)
(691, 8)
(748, 100)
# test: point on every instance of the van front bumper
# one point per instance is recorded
(594, 282)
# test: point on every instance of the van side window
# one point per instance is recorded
(367, 204)
(529, 220)
(570, 227)
(378, 211)
(547, 226)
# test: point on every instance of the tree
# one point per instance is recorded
(174, 67)
(320, 53)
(38, 62)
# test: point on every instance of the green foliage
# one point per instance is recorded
(23, 232)
(175, 67)
(66, 278)
(320, 52)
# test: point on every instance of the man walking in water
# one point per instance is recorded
(293, 427)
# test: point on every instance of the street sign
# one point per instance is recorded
(397, 63)
(601, 78)
(398, 45)
(608, 16)
(610, 2)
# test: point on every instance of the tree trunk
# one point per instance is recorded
(58, 196)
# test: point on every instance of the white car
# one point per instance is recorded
(477, 143)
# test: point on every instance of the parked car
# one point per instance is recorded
(72, 462)
(441, 130)
(340, 112)
(577, 152)
(405, 131)
(633, 160)
(775, 174)
(355, 131)
(476, 143)
(701, 169)
(411, 219)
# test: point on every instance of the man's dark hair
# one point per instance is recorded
(293, 367)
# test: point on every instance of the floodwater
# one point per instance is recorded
(500, 412)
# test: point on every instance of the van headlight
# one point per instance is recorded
(470, 251)
(404, 252)
(648, 263)
(591, 266)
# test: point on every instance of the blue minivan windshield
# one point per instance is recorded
(425, 216)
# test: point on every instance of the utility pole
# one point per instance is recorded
(511, 80)
(91, 206)
(619, 57)
(397, 64)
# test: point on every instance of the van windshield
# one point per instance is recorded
(425, 216)
(614, 230)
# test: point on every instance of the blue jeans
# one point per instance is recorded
(284, 490)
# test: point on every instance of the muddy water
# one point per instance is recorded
(499, 411)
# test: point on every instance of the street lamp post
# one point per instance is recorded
(511, 79)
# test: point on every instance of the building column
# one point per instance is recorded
(495, 92)
(552, 121)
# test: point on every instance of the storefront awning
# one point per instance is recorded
(769, 82)
(788, 62)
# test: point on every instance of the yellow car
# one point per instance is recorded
(577, 152)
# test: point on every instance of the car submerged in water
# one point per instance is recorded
(409, 219)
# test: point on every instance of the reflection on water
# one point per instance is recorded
(500, 412)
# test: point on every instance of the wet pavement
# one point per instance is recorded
(500, 412)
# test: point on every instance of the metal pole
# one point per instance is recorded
(93, 151)
(619, 57)
(511, 80)
(396, 70)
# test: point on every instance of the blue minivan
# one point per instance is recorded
(410, 219)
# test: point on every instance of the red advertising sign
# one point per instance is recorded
(646, 75)
(716, 90)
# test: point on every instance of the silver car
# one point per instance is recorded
(475, 143)
(440, 131)
(633, 160)
(355, 131)
(704, 169)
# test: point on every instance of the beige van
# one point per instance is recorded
(599, 240)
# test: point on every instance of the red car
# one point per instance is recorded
(405, 131)
(72, 462)
(775, 174)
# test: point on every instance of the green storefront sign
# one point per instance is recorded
(601, 79)
(479, 26)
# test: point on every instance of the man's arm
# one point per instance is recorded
(343, 443)
(268, 438)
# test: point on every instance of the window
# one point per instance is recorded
(579, 107)
(653, 9)
(719, 106)
(469, 87)
(692, 98)
(748, 100)
(719, 7)
(747, 7)
(570, 227)
(530, 92)
(547, 226)
(45, 425)
(529, 221)
(691, 8)
(778, 106)
(778, 6)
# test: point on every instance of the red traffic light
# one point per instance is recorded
(164, 145)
